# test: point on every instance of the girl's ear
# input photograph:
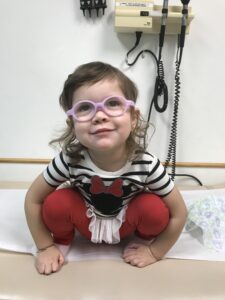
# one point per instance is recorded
(135, 115)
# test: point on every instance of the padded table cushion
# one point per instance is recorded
(105, 280)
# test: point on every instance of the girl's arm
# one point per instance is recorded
(33, 201)
(178, 214)
(141, 255)
(51, 259)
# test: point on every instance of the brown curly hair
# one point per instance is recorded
(88, 74)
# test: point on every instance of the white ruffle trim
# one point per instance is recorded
(105, 229)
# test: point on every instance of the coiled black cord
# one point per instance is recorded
(172, 148)
(171, 156)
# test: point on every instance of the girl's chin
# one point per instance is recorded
(104, 147)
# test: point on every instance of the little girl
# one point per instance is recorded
(117, 189)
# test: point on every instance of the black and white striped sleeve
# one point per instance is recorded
(158, 181)
(57, 171)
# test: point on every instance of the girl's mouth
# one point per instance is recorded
(102, 130)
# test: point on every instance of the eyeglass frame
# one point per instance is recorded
(97, 105)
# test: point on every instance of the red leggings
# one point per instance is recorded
(64, 210)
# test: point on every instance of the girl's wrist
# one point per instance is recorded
(45, 248)
(152, 253)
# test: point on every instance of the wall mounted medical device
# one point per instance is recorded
(142, 16)
(90, 5)
(145, 16)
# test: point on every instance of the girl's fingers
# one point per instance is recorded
(61, 260)
(133, 246)
(40, 268)
(50, 267)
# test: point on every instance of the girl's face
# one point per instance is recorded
(103, 133)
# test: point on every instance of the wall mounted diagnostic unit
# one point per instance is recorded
(145, 16)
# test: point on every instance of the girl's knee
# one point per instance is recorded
(56, 214)
(59, 202)
(147, 203)
(152, 212)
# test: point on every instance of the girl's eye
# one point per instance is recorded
(114, 102)
(84, 107)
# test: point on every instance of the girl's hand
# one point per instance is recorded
(49, 261)
(138, 255)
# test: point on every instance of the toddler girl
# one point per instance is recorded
(117, 188)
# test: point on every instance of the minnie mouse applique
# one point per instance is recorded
(106, 199)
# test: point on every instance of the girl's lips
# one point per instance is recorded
(102, 130)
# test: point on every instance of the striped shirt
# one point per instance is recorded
(143, 174)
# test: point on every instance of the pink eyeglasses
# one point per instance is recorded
(113, 106)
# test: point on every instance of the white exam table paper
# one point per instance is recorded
(15, 235)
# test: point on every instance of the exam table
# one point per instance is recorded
(110, 279)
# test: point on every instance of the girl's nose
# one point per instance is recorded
(100, 116)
